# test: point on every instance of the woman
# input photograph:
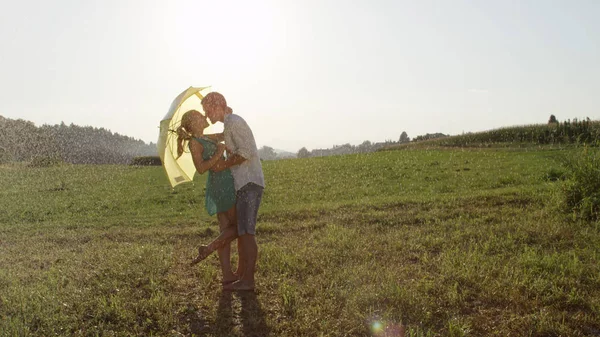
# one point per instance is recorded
(220, 191)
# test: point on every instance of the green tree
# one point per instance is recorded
(365, 146)
(303, 153)
(267, 153)
(404, 137)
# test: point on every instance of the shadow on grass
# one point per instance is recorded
(253, 317)
(224, 322)
(197, 324)
(250, 321)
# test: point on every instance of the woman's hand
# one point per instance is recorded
(221, 149)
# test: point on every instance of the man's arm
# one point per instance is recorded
(217, 137)
(223, 164)
(241, 136)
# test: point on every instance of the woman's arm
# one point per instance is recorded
(204, 165)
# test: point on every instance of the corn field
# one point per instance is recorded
(568, 132)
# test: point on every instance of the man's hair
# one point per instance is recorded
(216, 99)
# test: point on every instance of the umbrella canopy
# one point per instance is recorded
(179, 170)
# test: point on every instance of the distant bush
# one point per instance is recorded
(44, 161)
(146, 161)
(582, 188)
(429, 136)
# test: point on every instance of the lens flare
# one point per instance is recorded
(377, 327)
(387, 329)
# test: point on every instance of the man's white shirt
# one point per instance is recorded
(239, 139)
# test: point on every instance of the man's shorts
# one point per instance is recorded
(247, 202)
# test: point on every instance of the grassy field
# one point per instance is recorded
(438, 242)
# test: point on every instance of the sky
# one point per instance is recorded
(312, 73)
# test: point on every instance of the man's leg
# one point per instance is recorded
(241, 260)
(248, 201)
(251, 253)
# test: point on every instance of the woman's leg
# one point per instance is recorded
(232, 214)
(228, 231)
(223, 245)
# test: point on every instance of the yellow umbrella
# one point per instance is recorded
(178, 170)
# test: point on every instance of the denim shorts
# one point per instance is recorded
(247, 202)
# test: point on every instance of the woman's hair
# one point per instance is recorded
(216, 99)
(183, 131)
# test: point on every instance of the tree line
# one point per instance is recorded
(365, 147)
(23, 141)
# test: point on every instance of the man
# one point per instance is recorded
(249, 181)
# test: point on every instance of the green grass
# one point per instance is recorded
(433, 243)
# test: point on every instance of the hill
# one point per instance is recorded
(283, 154)
(22, 140)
